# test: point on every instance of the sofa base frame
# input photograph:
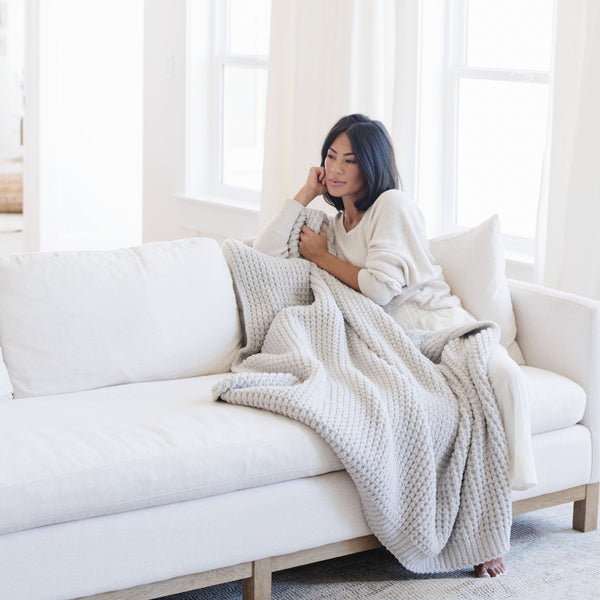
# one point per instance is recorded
(256, 575)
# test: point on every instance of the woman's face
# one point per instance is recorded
(344, 179)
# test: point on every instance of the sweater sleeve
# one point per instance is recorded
(398, 259)
(273, 240)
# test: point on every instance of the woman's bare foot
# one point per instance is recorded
(491, 568)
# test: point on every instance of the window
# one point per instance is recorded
(226, 131)
(497, 108)
(242, 66)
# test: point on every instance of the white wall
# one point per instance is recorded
(85, 123)
(164, 116)
(168, 214)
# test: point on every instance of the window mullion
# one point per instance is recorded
(220, 46)
(456, 52)
(502, 75)
(243, 60)
(219, 166)
(460, 15)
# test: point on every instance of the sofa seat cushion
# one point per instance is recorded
(555, 402)
(122, 448)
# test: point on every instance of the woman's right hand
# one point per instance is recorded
(314, 186)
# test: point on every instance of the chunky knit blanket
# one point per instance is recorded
(411, 416)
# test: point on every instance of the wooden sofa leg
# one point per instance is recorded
(585, 512)
(258, 587)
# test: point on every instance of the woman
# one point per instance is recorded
(381, 250)
(381, 247)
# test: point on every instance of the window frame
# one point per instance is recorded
(456, 69)
(219, 60)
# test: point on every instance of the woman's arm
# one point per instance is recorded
(398, 259)
(273, 240)
(314, 186)
(397, 251)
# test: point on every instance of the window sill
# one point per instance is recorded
(216, 216)
(220, 202)
(520, 265)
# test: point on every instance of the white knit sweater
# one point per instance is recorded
(388, 244)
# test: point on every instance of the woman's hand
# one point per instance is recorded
(313, 246)
(314, 186)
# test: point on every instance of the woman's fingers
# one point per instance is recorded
(314, 186)
(312, 244)
(317, 176)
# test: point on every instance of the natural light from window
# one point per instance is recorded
(502, 96)
(526, 23)
(244, 81)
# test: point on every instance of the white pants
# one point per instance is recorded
(507, 380)
(512, 395)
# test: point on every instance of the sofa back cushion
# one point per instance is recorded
(473, 264)
(73, 320)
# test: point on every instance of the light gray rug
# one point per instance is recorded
(548, 561)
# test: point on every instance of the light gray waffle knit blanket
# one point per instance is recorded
(411, 415)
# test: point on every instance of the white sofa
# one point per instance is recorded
(121, 478)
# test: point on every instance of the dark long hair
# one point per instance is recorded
(374, 154)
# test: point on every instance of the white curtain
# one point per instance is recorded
(328, 59)
(568, 255)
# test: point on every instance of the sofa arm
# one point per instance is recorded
(560, 332)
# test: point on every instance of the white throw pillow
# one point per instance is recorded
(79, 320)
(474, 267)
